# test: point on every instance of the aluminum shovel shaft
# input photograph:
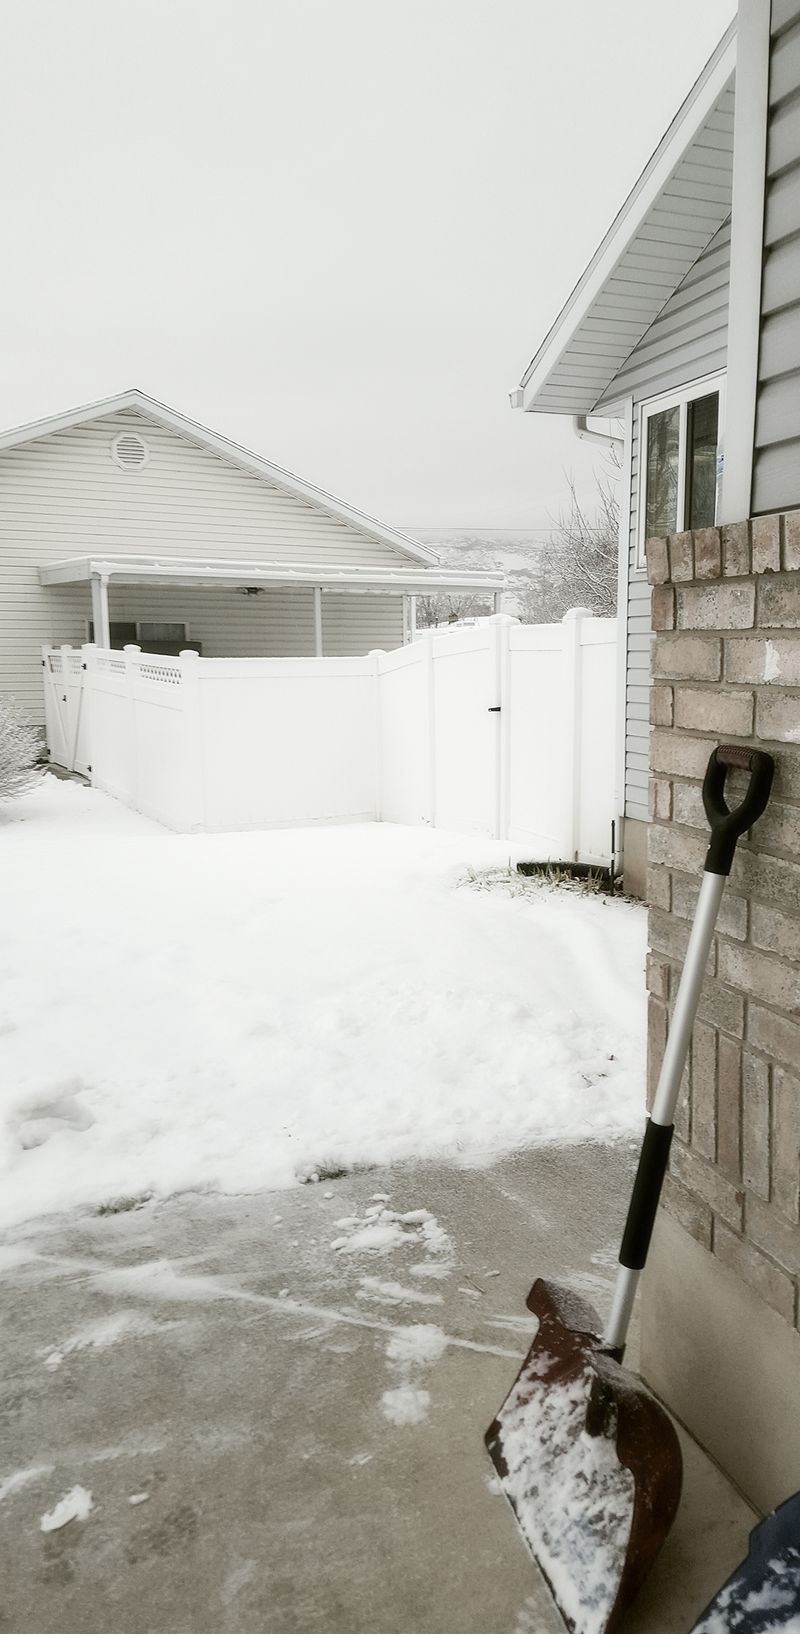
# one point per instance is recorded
(727, 827)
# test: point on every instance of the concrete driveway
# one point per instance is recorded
(278, 1434)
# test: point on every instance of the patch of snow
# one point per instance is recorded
(573, 1497)
(405, 1405)
(23, 1477)
(422, 1344)
(771, 1606)
(214, 1055)
(430, 1270)
(375, 1237)
(75, 1505)
(394, 1293)
(138, 1497)
(100, 1335)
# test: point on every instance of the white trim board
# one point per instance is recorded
(235, 455)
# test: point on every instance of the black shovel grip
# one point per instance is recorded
(728, 826)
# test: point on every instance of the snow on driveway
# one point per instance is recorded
(244, 1010)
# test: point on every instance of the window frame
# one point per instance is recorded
(705, 386)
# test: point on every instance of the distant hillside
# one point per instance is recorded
(515, 554)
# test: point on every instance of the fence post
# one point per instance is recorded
(88, 651)
(571, 762)
(499, 630)
(430, 700)
(376, 655)
(193, 741)
(131, 653)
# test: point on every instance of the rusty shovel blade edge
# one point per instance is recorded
(589, 1461)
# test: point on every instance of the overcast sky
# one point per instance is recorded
(334, 230)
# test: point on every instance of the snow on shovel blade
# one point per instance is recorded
(589, 1462)
(763, 1595)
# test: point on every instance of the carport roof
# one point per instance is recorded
(680, 201)
(185, 571)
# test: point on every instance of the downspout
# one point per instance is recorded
(582, 430)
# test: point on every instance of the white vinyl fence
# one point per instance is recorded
(502, 729)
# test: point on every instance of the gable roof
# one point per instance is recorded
(680, 201)
(235, 455)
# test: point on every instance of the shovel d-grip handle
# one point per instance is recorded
(728, 826)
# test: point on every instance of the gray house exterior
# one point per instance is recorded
(685, 329)
(645, 330)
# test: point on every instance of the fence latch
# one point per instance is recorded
(494, 709)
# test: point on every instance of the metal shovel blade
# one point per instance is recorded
(763, 1595)
(589, 1461)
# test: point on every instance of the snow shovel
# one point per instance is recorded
(588, 1459)
(763, 1595)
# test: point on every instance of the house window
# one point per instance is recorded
(681, 442)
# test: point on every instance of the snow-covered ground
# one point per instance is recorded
(245, 1010)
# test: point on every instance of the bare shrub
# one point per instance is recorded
(20, 751)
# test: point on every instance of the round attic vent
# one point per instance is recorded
(129, 451)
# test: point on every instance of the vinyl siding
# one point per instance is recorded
(62, 495)
(776, 462)
(687, 341)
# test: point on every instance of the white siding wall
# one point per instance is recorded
(63, 496)
(776, 465)
(687, 341)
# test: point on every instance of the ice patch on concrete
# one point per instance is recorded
(394, 1293)
(23, 1477)
(405, 1405)
(101, 1335)
(75, 1505)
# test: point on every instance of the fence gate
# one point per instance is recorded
(65, 707)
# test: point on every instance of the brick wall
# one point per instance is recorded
(726, 609)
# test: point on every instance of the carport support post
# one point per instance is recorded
(317, 621)
(100, 620)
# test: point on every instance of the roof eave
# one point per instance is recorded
(684, 127)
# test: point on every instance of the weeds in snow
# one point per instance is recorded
(123, 1205)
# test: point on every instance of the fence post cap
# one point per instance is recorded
(130, 646)
(576, 613)
(502, 618)
(188, 652)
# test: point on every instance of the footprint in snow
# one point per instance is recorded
(51, 1112)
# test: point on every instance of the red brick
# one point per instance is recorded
(779, 603)
(778, 1037)
(717, 606)
(768, 1231)
(693, 1215)
(766, 544)
(786, 1144)
(704, 1090)
(662, 609)
(764, 661)
(681, 558)
(661, 706)
(755, 1124)
(773, 1285)
(707, 553)
(778, 717)
(660, 799)
(656, 1042)
(706, 709)
(729, 1107)
(736, 549)
(706, 1182)
(678, 755)
(687, 658)
(657, 558)
(791, 541)
(657, 888)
